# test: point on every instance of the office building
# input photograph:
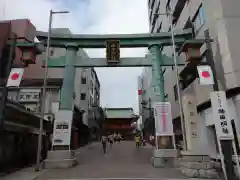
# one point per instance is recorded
(222, 19)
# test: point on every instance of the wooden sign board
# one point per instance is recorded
(113, 51)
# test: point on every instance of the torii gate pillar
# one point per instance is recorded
(164, 152)
(61, 155)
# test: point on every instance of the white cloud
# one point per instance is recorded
(118, 85)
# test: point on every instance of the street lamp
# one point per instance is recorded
(44, 86)
(168, 13)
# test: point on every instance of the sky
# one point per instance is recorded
(118, 85)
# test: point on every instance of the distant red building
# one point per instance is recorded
(119, 120)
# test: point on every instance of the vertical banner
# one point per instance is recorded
(163, 119)
(221, 115)
(62, 127)
(191, 121)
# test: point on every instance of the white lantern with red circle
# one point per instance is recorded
(205, 75)
(15, 77)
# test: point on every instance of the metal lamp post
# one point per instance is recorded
(177, 78)
(44, 86)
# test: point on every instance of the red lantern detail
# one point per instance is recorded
(205, 74)
(139, 92)
(15, 76)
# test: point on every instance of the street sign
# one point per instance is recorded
(221, 116)
(15, 77)
(62, 127)
(163, 119)
(205, 75)
(113, 50)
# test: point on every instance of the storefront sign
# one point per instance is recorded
(29, 95)
(62, 128)
(221, 115)
(163, 119)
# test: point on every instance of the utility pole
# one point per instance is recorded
(226, 145)
(51, 13)
(4, 91)
(178, 83)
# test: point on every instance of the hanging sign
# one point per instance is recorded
(205, 75)
(221, 115)
(112, 50)
(163, 119)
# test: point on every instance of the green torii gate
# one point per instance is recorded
(70, 61)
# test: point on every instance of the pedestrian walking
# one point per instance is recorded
(114, 137)
(110, 137)
(104, 143)
(119, 137)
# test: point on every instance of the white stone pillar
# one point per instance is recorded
(195, 161)
(191, 122)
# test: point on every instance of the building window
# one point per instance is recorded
(153, 1)
(199, 19)
(90, 101)
(51, 52)
(83, 96)
(92, 73)
(169, 29)
(201, 15)
(84, 80)
(189, 25)
(175, 91)
(92, 87)
(159, 28)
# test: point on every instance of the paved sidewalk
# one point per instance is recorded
(30, 173)
(24, 174)
(122, 162)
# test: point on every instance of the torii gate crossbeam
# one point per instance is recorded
(126, 40)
